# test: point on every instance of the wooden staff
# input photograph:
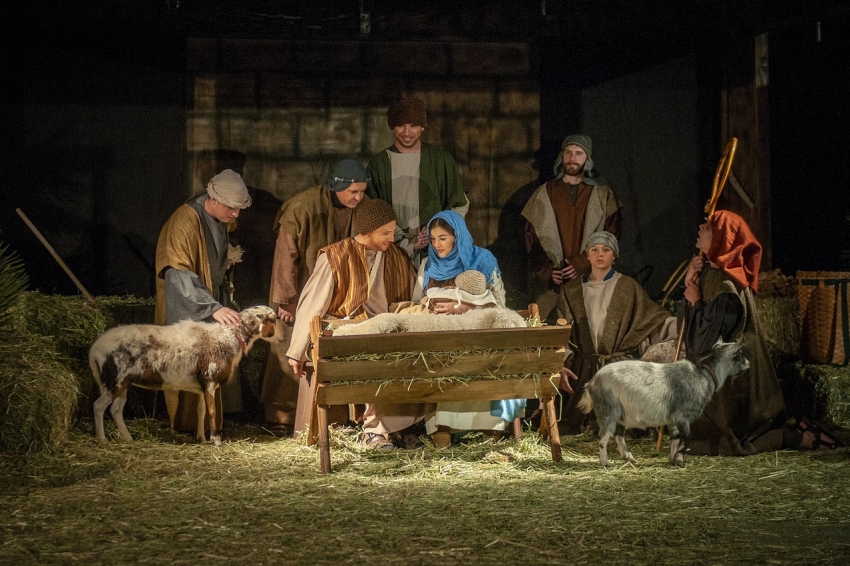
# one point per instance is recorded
(720, 177)
(55, 255)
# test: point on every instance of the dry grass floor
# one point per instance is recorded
(261, 500)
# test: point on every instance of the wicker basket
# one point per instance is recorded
(824, 320)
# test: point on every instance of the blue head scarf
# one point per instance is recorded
(464, 256)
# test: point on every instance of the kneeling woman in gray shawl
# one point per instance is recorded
(612, 319)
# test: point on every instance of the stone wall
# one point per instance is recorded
(295, 108)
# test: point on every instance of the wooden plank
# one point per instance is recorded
(432, 391)
(493, 363)
(489, 339)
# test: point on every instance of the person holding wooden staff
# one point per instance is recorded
(747, 415)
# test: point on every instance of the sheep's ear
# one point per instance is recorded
(250, 321)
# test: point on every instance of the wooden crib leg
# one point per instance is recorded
(324, 441)
(544, 423)
(552, 428)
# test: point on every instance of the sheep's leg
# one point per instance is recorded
(607, 415)
(620, 439)
(202, 412)
(117, 411)
(684, 441)
(100, 406)
(674, 443)
(607, 425)
(604, 438)
(215, 434)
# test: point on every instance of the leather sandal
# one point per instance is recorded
(377, 441)
(822, 436)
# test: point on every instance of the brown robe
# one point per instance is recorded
(571, 219)
(182, 244)
(747, 415)
(632, 318)
(305, 223)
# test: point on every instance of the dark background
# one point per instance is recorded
(96, 97)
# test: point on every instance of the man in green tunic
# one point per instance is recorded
(419, 179)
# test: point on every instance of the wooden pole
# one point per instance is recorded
(55, 255)
(720, 177)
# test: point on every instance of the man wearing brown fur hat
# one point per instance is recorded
(355, 278)
(561, 215)
(418, 179)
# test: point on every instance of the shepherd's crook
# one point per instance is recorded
(720, 177)
(55, 255)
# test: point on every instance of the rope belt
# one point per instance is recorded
(602, 359)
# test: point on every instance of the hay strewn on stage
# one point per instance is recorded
(262, 500)
(165, 500)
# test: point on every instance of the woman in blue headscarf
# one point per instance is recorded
(451, 254)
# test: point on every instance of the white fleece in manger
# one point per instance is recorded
(472, 320)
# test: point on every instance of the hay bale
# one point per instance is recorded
(38, 393)
(780, 323)
(831, 392)
(72, 322)
(126, 309)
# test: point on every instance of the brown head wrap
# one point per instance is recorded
(372, 214)
(407, 111)
(735, 249)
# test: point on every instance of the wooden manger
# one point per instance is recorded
(466, 365)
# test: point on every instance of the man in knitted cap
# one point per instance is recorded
(417, 178)
(356, 278)
(561, 215)
(312, 219)
(191, 262)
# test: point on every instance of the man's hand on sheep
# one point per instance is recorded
(286, 312)
(227, 317)
(566, 375)
(452, 308)
(297, 367)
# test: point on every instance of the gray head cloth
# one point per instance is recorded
(345, 173)
(586, 144)
(229, 189)
(604, 238)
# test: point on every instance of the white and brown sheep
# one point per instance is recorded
(640, 394)
(475, 319)
(185, 356)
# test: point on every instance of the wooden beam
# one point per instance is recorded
(428, 365)
(424, 391)
(495, 339)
